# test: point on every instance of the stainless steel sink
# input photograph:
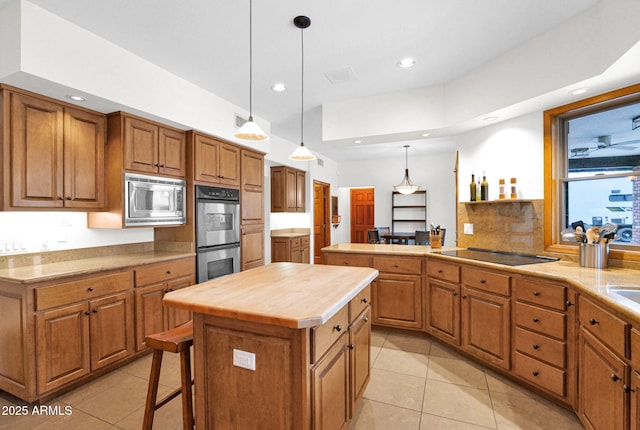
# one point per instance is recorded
(627, 293)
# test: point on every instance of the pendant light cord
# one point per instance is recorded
(250, 60)
(302, 89)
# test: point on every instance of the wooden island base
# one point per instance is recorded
(311, 357)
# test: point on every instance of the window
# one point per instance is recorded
(592, 168)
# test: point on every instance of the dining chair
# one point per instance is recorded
(373, 235)
(383, 231)
(422, 237)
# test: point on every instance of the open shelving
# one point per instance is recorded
(408, 211)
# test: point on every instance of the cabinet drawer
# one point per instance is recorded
(604, 325)
(406, 265)
(485, 280)
(359, 303)
(295, 242)
(541, 294)
(541, 374)
(160, 272)
(542, 320)
(322, 337)
(635, 349)
(344, 259)
(445, 271)
(540, 347)
(304, 241)
(80, 290)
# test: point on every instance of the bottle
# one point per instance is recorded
(472, 188)
(478, 191)
(484, 188)
(514, 189)
(502, 194)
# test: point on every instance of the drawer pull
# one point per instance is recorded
(346, 263)
(87, 313)
(536, 346)
(95, 311)
(455, 293)
(569, 303)
(337, 328)
(535, 320)
(593, 321)
(366, 319)
(439, 270)
(365, 300)
(90, 289)
(482, 281)
(168, 272)
(536, 373)
(464, 296)
(536, 293)
(351, 346)
(614, 377)
(627, 389)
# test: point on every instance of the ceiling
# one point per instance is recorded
(207, 43)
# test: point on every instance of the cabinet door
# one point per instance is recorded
(280, 249)
(176, 317)
(150, 315)
(290, 190)
(62, 346)
(206, 159)
(330, 391)
(140, 146)
(252, 182)
(300, 191)
(229, 165)
(84, 144)
(397, 301)
(443, 311)
(36, 152)
(600, 384)
(111, 329)
(252, 246)
(172, 152)
(635, 400)
(360, 356)
(485, 323)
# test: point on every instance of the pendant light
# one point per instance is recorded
(250, 130)
(406, 186)
(302, 153)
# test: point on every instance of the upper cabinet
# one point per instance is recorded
(53, 154)
(287, 189)
(153, 148)
(214, 161)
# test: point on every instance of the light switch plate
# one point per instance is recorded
(244, 359)
(468, 228)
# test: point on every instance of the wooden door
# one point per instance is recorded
(36, 152)
(229, 165)
(443, 311)
(485, 325)
(600, 381)
(330, 391)
(111, 330)
(172, 153)
(360, 357)
(321, 220)
(62, 346)
(362, 210)
(140, 145)
(84, 145)
(174, 316)
(150, 316)
(397, 301)
(206, 159)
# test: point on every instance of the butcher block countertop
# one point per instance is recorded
(290, 295)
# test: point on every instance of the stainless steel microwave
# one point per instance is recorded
(153, 200)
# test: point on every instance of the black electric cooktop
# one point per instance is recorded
(498, 257)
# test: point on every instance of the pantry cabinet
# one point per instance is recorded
(287, 189)
(54, 154)
(215, 161)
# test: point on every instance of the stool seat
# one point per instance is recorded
(177, 340)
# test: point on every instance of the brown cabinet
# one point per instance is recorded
(78, 337)
(252, 246)
(442, 307)
(215, 161)
(152, 282)
(330, 392)
(55, 154)
(287, 189)
(635, 400)
(153, 148)
(359, 356)
(291, 249)
(251, 209)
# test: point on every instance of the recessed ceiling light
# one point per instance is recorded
(357, 141)
(579, 91)
(278, 88)
(76, 98)
(425, 135)
(491, 118)
(405, 63)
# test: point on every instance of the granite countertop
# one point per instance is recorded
(290, 295)
(597, 283)
(57, 270)
(290, 232)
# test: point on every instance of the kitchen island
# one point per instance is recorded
(283, 346)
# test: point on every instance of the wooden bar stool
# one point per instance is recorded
(176, 340)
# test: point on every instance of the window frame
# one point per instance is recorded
(555, 167)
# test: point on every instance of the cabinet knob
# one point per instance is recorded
(87, 313)
(482, 281)
(346, 263)
(95, 311)
(455, 293)
(168, 272)
(464, 296)
(536, 373)
(365, 300)
(69, 198)
(614, 377)
(337, 328)
(593, 321)
(569, 303)
(439, 270)
(536, 346)
(366, 319)
(627, 389)
(536, 293)
(351, 346)
(535, 320)
(90, 289)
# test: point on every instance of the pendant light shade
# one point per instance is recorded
(250, 130)
(302, 153)
(406, 186)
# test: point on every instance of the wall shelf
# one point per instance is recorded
(408, 211)
(514, 202)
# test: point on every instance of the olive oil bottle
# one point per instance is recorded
(472, 188)
(484, 188)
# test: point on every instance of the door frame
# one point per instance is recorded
(326, 204)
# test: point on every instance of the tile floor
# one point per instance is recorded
(416, 384)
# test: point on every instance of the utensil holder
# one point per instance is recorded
(594, 255)
(434, 240)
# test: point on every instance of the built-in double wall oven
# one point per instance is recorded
(217, 232)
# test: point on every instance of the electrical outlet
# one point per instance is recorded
(244, 359)
(468, 228)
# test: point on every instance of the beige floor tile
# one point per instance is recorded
(456, 371)
(375, 415)
(167, 417)
(76, 420)
(21, 415)
(395, 389)
(93, 388)
(530, 413)
(500, 384)
(378, 337)
(458, 402)
(433, 422)
(441, 350)
(375, 351)
(409, 343)
(407, 363)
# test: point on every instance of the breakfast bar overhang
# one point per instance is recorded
(283, 346)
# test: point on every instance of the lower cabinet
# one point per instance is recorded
(252, 246)
(443, 310)
(290, 249)
(330, 378)
(360, 356)
(635, 399)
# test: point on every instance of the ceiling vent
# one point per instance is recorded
(240, 121)
(320, 161)
(341, 76)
